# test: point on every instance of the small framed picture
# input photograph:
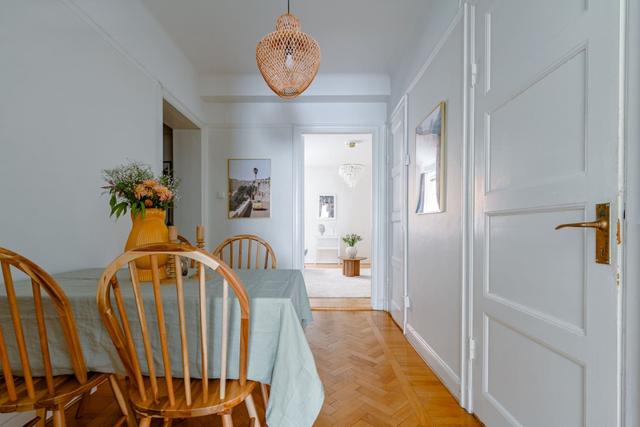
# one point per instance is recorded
(249, 188)
(327, 206)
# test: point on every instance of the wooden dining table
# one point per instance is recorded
(279, 354)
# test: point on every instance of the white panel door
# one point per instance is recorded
(398, 215)
(545, 154)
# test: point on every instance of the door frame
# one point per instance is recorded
(166, 95)
(379, 300)
(402, 105)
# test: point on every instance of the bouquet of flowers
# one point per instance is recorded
(133, 186)
(351, 239)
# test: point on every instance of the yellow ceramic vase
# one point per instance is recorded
(146, 229)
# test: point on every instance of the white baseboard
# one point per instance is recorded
(448, 377)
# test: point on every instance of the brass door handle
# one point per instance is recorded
(601, 225)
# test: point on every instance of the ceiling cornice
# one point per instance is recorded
(325, 88)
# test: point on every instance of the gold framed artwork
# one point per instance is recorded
(249, 188)
(430, 163)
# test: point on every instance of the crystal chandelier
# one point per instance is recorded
(287, 58)
(351, 173)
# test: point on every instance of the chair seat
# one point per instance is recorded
(66, 388)
(234, 395)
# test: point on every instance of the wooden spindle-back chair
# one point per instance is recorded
(184, 240)
(151, 395)
(232, 251)
(23, 391)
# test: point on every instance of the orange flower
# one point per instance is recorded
(150, 183)
(165, 195)
(148, 203)
(140, 191)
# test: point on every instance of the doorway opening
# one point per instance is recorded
(181, 159)
(338, 219)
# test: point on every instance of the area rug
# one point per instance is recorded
(330, 283)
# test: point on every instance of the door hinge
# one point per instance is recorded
(472, 348)
(407, 160)
(407, 301)
(474, 74)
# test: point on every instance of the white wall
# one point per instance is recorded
(353, 208)
(132, 29)
(187, 151)
(441, 12)
(76, 101)
(435, 240)
(266, 130)
(259, 143)
(290, 114)
(71, 106)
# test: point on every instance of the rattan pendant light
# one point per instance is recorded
(287, 58)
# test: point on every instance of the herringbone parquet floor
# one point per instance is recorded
(371, 375)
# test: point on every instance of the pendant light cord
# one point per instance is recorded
(288, 12)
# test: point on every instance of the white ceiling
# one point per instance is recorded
(355, 36)
(328, 150)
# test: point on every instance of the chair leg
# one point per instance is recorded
(251, 409)
(227, 421)
(81, 404)
(42, 417)
(265, 395)
(59, 419)
(122, 401)
(145, 422)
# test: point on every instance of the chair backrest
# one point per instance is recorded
(232, 250)
(40, 280)
(184, 240)
(118, 326)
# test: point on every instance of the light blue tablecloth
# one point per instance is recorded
(279, 354)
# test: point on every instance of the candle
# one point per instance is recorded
(200, 233)
(173, 233)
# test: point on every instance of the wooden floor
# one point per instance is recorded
(371, 375)
(312, 265)
(340, 304)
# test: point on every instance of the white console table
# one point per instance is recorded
(327, 249)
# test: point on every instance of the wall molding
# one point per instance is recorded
(446, 374)
(233, 126)
(468, 180)
(437, 48)
(118, 47)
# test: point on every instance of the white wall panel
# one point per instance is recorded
(435, 240)
(506, 382)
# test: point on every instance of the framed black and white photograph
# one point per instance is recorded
(430, 173)
(249, 188)
(327, 206)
